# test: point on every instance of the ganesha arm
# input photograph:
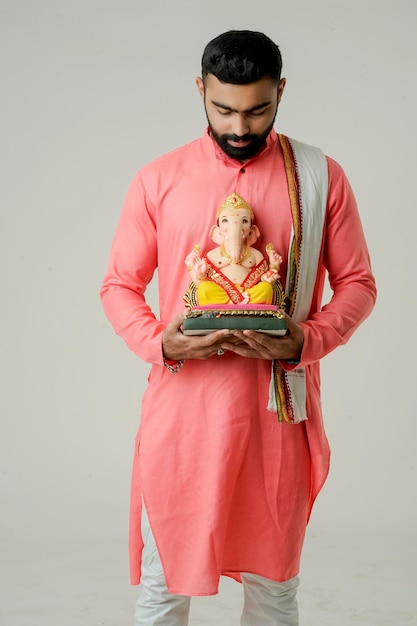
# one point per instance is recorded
(196, 265)
(275, 260)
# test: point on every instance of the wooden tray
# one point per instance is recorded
(263, 318)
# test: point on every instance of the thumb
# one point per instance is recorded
(176, 323)
(288, 319)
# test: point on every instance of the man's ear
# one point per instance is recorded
(281, 87)
(200, 86)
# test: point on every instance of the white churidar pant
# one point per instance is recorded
(266, 603)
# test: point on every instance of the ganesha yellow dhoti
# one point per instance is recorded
(218, 289)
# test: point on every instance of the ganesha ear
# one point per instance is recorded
(216, 235)
(254, 234)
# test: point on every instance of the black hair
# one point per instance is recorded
(240, 57)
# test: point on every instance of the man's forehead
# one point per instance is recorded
(261, 85)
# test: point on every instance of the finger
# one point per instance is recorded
(255, 339)
(216, 337)
(242, 349)
(288, 319)
(203, 346)
(176, 323)
(245, 350)
(256, 345)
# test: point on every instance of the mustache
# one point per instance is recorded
(246, 137)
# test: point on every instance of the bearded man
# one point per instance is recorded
(231, 451)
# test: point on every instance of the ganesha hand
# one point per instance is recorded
(270, 276)
(274, 258)
(193, 258)
(195, 264)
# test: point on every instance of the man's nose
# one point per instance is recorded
(240, 125)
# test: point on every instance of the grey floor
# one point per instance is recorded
(347, 579)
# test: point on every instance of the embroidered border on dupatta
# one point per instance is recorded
(285, 408)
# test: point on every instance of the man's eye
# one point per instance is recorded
(223, 111)
(258, 112)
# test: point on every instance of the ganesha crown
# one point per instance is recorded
(234, 201)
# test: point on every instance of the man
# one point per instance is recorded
(231, 451)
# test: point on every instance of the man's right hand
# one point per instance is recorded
(176, 346)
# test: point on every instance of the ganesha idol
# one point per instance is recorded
(234, 279)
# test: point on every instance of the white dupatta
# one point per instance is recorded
(307, 176)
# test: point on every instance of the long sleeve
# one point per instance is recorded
(132, 262)
(345, 257)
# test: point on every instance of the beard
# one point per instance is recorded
(257, 142)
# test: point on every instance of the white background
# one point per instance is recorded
(90, 92)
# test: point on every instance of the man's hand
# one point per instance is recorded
(176, 346)
(257, 345)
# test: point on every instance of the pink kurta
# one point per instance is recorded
(227, 488)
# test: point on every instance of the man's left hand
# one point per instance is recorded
(258, 345)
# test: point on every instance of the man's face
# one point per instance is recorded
(240, 116)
